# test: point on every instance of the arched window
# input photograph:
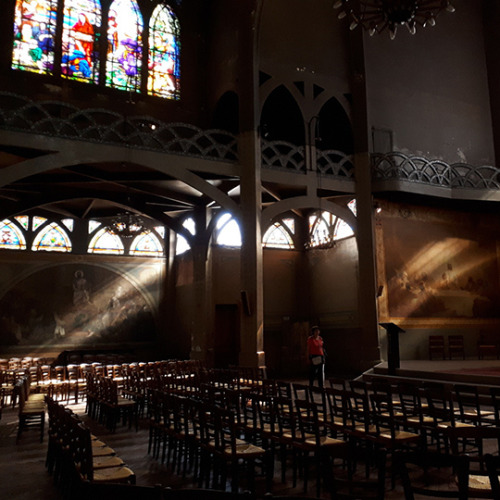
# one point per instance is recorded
(34, 33)
(181, 245)
(52, 238)
(11, 236)
(146, 244)
(163, 64)
(228, 232)
(325, 228)
(80, 50)
(279, 235)
(124, 59)
(104, 241)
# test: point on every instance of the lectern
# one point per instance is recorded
(393, 332)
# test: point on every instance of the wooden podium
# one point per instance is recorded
(393, 332)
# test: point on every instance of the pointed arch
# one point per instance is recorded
(278, 236)
(281, 118)
(146, 244)
(164, 53)
(11, 236)
(34, 36)
(52, 238)
(106, 242)
(124, 57)
(333, 128)
(80, 32)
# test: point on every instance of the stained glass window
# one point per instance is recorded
(104, 241)
(93, 225)
(164, 69)
(23, 220)
(182, 245)
(80, 50)
(146, 244)
(52, 238)
(277, 237)
(34, 33)
(123, 69)
(38, 221)
(228, 231)
(11, 236)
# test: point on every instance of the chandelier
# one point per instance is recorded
(127, 225)
(376, 16)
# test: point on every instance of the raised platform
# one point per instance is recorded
(468, 371)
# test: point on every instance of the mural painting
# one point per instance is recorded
(75, 304)
(440, 270)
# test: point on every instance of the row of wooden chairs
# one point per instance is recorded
(278, 426)
(75, 457)
(106, 403)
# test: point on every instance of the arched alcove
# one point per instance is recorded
(227, 113)
(333, 128)
(281, 118)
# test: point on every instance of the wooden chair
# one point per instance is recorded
(456, 346)
(31, 413)
(472, 442)
(423, 473)
(313, 439)
(436, 347)
(492, 464)
(487, 346)
(469, 405)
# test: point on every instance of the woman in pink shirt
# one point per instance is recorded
(316, 356)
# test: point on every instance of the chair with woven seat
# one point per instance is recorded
(469, 405)
(436, 347)
(312, 438)
(473, 442)
(456, 347)
(428, 474)
(487, 346)
(229, 451)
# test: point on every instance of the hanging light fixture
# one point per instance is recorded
(127, 225)
(376, 16)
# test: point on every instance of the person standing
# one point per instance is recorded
(316, 355)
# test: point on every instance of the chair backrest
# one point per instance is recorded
(413, 466)
(492, 463)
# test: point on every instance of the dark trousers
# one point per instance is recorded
(317, 372)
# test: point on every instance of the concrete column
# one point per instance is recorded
(367, 288)
(252, 318)
(201, 333)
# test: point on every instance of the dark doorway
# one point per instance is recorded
(227, 335)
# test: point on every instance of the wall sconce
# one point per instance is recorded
(377, 208)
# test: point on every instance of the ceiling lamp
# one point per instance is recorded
(127, 225)
(376, 16)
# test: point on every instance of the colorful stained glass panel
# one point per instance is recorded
(34, 34)
(11, 237)
(52, 238)
(106, 242)
(23, 221)
(38, 221)
(146, 244)
(164, 67)
(124, 58)
(80, 48)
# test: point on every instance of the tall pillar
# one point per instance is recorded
(367, 287)
(201, 344)
(252, 318)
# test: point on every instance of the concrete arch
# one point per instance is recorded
(274, 210)
(75, 153)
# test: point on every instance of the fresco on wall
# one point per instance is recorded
(74, 304)
(440, 270)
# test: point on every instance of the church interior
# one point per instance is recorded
(203, 181)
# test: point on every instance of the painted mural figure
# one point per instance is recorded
(81, 295)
